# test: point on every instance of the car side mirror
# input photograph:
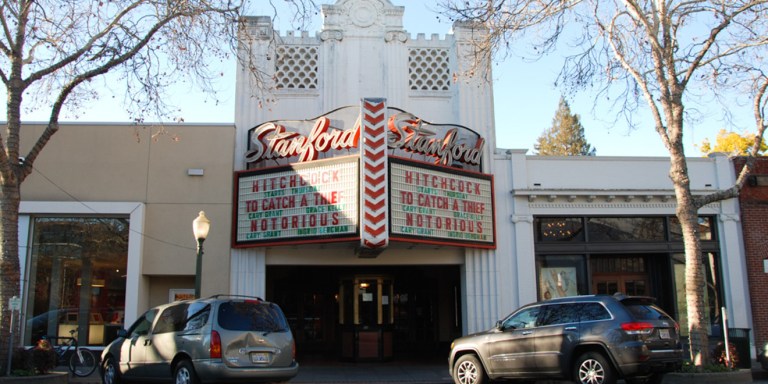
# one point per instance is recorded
(122, 333)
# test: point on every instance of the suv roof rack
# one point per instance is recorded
(235, 296)
(620, 296)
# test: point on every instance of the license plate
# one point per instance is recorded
(664, 333)
(259, 357)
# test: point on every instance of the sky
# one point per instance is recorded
(525, 99)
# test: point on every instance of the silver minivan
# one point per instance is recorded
(220, 339)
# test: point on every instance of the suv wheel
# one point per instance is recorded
(593, 368)
(468, 370)
(185, 373)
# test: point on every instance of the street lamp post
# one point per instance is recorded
(200, 226)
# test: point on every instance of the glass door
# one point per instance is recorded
(625, 274)
(366, 317)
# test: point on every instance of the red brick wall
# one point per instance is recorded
(754, 222)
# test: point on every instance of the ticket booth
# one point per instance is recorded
(366, 317)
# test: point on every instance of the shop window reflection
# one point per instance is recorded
(559, 229)
(601, 229)
(561, 276)
(77, 278)
(712, 296)
(616, 229)
(705, 229)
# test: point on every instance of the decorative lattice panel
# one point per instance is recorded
(296, 67)
(429, 70)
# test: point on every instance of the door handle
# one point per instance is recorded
(527, 332)
(570, 328)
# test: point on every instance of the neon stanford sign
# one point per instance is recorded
(408, 135)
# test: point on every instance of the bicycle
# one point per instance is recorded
(82, 362)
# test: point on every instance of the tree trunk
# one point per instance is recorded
(687, 213)
(9, 267)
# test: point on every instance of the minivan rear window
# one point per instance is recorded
(251, 316)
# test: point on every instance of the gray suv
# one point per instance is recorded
(220, 339)
(594, 339)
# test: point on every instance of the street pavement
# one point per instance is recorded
(348, 373)
(381, 373)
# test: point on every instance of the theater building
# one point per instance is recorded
(364, 193)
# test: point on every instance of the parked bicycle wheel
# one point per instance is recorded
(82, 362)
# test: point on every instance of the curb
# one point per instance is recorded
(50, 378)
(733, 377)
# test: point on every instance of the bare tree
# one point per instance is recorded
(660, 55)
(53, 50)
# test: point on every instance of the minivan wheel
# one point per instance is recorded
(468, 370)
(110, 374)
(593, 368)
(185, 373)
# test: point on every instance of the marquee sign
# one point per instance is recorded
(369, 174)
(306, 202)
(338, 133)
(434, 206)
(412, 135)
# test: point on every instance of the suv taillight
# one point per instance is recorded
(215, 345)
(293, 349)
(637, 328)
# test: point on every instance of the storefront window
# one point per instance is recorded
(706, 228)
(712, 297)
(561, 276)
(77, 279)
(625, 229)
(559, 229)
(633, 255)
(610, 229)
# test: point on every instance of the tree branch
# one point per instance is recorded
(53, 123)
(758, 108)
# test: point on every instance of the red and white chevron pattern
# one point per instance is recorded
(374, 234)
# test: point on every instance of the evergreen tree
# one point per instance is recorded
(565, 137)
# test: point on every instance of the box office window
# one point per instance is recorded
(77, 278)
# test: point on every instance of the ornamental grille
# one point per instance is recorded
(428, 69)
(296, 67)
